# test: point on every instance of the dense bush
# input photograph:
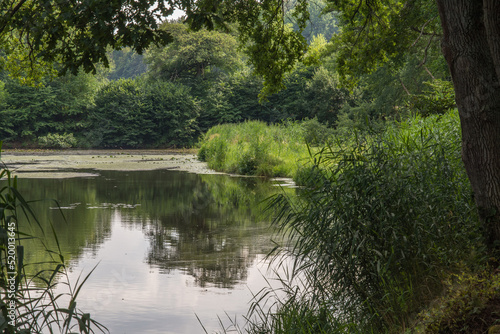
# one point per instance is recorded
(471, 305)
(174, 113)
(437, 99)
(118, 117)
(57, 107)
(130, 113)
(54, 140)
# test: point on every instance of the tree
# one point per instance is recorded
(127, 64)
(76, 34)
(193, 54)
(471, 46)
(132, 113)
(372, 32)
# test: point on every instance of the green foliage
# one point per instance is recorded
(320, 22)
(316, 133)
(438, 100)
(253, 148)
(393, 213)
(324, 96)
(173, 111)
(54, 140)
(127, 64)
(193, 54)
(130, 113)
(376, 32)
(76, 35)
(317, 49)
(28, 303)
(57, 107)
(118, 117)
(294, 314)
(272, 46)
(471, 305)
(363, 119)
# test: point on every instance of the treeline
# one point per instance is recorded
(173, 94)
(165, 99)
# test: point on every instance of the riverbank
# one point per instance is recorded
(86, 163)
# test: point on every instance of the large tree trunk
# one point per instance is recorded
(471, 46)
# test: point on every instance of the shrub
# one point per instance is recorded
(131, 113)
(470, 305)
(438, 100)
(316, 133)
(54, 140)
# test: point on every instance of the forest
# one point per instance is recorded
(171, 95)
(381, 113)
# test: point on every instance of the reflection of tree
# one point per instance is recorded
(214, 238)
(76, 227)
(209, 226)
(214, 253)
(223, 272)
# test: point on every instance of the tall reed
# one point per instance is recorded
(392, 215)
(254, 148)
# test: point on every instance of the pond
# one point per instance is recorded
(168, 247)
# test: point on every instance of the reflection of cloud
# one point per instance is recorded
(117, 282)
(72, 206)
(112, 206)
(189, 248)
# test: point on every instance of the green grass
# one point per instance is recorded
(255, 148)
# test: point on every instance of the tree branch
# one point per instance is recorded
(427, 70)
(12, 13)
(425, 51)
(421, 31)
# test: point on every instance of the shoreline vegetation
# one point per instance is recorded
(353, 100)
(29, 303)
(383, 226)
(259, 149)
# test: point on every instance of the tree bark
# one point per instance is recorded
(471, 46)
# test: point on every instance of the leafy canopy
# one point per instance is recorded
(76, 34)
(374, 32)
(193, 54)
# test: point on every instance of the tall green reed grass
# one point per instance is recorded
(382, 220)
(255, 148)
(29, 304)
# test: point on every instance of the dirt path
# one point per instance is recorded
(84, 163)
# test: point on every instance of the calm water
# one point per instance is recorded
(167, 245)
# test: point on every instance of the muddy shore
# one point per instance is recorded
(87, 163)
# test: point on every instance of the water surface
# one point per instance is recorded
(168, 245)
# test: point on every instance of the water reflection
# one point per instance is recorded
(169, 243)
(210, 226)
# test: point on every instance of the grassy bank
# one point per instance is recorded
(254, 148)
(382, 222)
